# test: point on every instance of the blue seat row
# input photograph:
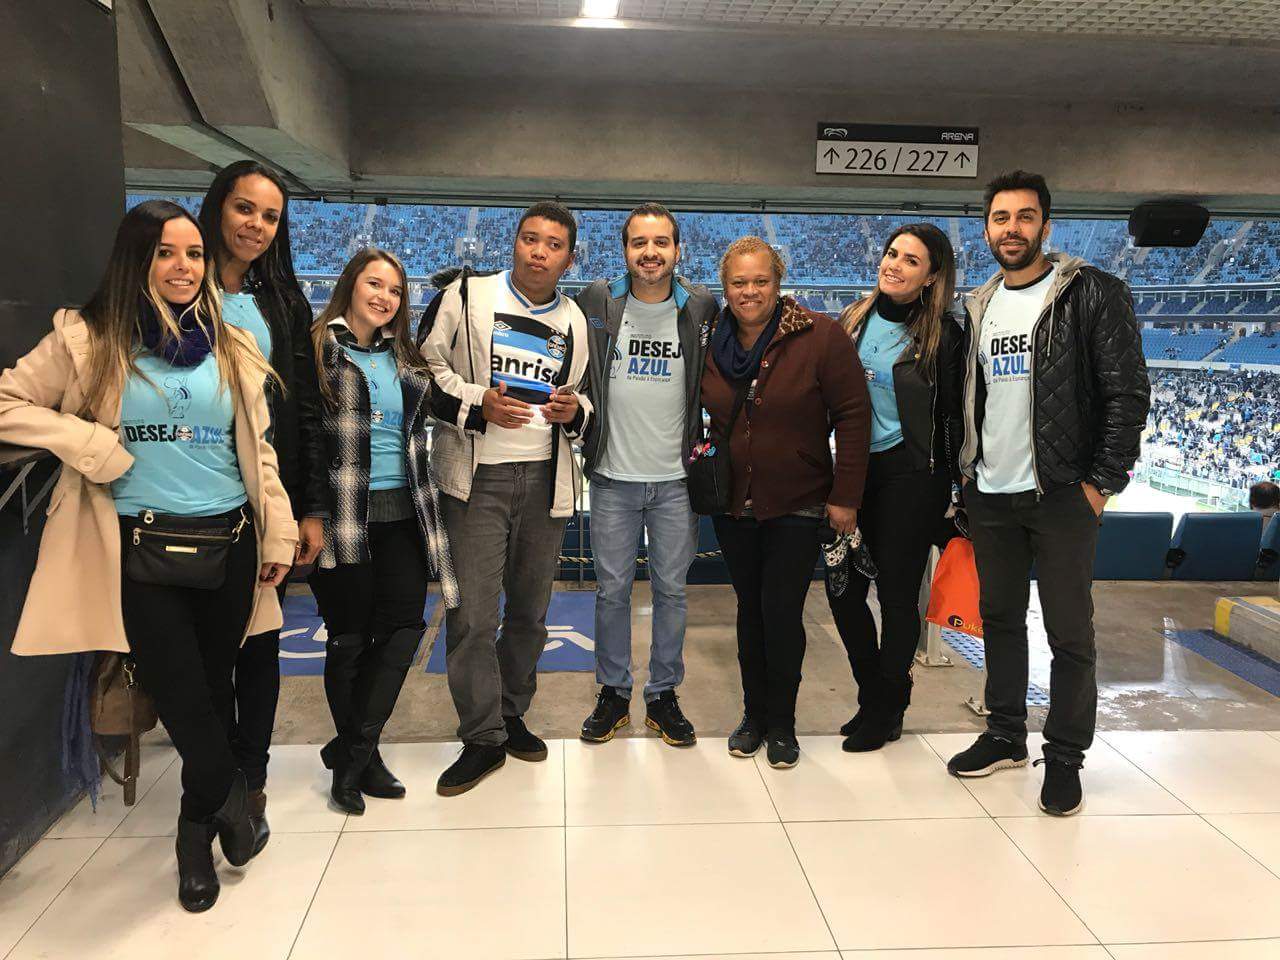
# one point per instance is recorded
(1131, 546)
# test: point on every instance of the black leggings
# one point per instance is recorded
(373, 615)
(901, 513)
(771, 565)
(257, 692)
(185, 642)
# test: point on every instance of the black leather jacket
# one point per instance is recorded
(1089, 387)
(930, 413)
(296, 431)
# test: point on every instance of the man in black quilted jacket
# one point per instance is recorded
(1055, 399)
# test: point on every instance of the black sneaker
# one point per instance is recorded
(1061, 795)
(476, 762)
(612, 713)
(746, 740)
(782, 750)
(987, 755)
(522, 744)
(665, 716)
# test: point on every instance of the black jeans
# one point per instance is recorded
(373, 615)
(185, 642)
(257, 692)
(902, 510)
(771, 565)
(1058, 532)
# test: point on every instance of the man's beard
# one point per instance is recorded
(665, 272)
(1021, 260)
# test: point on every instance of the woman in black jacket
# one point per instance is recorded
(245, 220)
(910, 347)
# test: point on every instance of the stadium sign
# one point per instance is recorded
(897, 150)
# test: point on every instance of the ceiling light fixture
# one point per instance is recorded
(600, 9)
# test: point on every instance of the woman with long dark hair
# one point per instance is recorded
(909, 345)
(383, 534)
(245, 216)
(168, 530)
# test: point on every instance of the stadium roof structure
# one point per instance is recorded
(476, 101)
(1246, 20)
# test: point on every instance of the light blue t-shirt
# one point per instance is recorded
(646, 410)
(179, 426)
(881, 346)
(386, 413)
(241, 310)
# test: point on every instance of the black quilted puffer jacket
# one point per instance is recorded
(1089, 387)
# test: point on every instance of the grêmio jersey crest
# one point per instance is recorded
(527, 355)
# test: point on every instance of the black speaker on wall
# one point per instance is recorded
(1167, 223)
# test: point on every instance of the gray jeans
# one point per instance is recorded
(503, 540)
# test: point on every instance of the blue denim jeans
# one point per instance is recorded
(619, 509)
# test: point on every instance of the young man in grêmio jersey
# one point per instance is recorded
(508, 355)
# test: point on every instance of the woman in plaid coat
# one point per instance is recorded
(383, 533)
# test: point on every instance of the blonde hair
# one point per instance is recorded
(927, 315)
(402, 344)
(745, 247)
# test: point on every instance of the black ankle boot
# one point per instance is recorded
(345, 791)
(866, 671)
(235, 832)
(378, 781)
(198, 885)
(258, 818)
(882, 721)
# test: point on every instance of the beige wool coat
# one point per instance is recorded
(73, 602)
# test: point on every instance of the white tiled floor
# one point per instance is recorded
(635, 849)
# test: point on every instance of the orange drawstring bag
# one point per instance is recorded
(953, 598)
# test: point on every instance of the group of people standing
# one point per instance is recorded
(214, 434)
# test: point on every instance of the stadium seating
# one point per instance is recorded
(1255, 348)
(1166, 344)
(1215, 546)
(1132, 546)
(820, 248)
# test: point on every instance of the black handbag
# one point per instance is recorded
(711, 467)
(169, 551)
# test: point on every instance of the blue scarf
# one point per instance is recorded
(736, 363)
(191, 346)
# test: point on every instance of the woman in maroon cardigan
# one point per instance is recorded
(800, 378)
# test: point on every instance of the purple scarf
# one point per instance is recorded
(192, 344)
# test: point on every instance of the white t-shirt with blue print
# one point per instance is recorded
(1004, 355)
(178, 424)
(646, 396)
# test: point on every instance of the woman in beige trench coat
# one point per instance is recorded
(158, 412)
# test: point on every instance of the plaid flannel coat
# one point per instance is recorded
(347, 445)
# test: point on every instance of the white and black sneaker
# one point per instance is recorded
(782, 750)
(988, 754)
(746, 740)
(1061, 795)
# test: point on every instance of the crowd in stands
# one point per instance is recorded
(819, 248)
(1222, 426)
